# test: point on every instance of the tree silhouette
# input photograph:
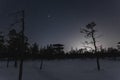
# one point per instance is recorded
(13, 44)
(2, 43)
(58, 48)
(113, 52)
(35, 49)
(89, 32)
(118, 45)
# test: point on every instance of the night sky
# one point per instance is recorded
(59, 21)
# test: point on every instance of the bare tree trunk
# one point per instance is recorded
(23, 49)
(98, 64)
(15, 64)
(8, 62)
(97, 56)
(41, 65)
(21, 69)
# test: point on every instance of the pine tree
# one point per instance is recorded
(89, 32)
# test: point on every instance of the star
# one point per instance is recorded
(49, 16)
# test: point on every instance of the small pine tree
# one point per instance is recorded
(90, 31)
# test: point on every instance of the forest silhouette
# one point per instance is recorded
(16, 47)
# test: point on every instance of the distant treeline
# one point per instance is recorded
(56, 51)
(12, 47)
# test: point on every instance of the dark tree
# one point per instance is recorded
(2, 43)
(118, 45)
(90, 31)
(13, 45)
(58, 48)
(35, 49)
(113, 52)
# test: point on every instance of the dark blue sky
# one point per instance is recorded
(59, 21)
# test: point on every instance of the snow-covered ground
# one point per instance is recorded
(76, 69)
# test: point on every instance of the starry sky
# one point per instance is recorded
(59, 21)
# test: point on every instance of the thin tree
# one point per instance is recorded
(42, 53)
(12, 45)
(41, 64)
(118, 45)
(90, 31)
(35, 49)
(23, 46)
(2, 43)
